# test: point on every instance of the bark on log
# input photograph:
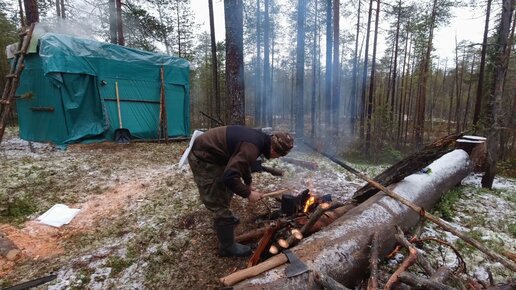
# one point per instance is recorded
(341, 249)
(328, 282)
(407, 166)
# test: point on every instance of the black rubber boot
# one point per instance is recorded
(225, 233)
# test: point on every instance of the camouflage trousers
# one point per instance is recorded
(213, 193)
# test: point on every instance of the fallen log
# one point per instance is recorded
(407, 166)
(341, 249)
(302, 163)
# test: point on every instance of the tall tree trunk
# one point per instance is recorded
(31, 11)
(409, 98)
(300, 68)
(258, 112)
(371, 82)
(119, 23)
(22, 15)
(164, 35)
(63, 12)
(364, 74)
(233, 14)
(404, 73)
(480, 86)
(353, 97)
(58, 8)
(315, 56)
(112, 22)
(327, 91)
(506, 101)
(425, 67)
(214, 63)
(494, 111)
(395, 69)
(178, 28)
(457, 87)
(468, 99)
(266, 67)
(336, 68)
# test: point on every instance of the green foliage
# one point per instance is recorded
(18, 208)
(445, 208)
(118, 264)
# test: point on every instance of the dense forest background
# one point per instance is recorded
(317, 67)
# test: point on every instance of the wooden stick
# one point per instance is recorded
(274, 193)
(422, 283)
(441, 223)
(274, 250)
(422, 261)
(241, 275)
(407, 262)
(373, 278)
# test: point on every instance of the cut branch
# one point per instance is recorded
(422, 283)
(373, 278)
(409, 261)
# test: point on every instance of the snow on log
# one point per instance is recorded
(341, 250)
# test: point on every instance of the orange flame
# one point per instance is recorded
(308, 203)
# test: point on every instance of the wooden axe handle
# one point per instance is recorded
(241, 275)
(274, 193)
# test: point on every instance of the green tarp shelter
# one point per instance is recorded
(67, 92)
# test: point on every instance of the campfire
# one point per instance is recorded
(299, 216)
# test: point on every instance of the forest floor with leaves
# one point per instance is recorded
(141, 224)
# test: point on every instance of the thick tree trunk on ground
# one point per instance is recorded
(407, 166)
(341, 250)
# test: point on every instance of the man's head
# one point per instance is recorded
(281, 143)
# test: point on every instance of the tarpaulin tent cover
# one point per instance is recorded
(67, 91)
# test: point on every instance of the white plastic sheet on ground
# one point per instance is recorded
(58, 215)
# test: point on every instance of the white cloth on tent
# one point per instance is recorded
(184, 159)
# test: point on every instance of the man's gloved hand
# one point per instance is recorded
(255, 196)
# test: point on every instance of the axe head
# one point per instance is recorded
(296, 267)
